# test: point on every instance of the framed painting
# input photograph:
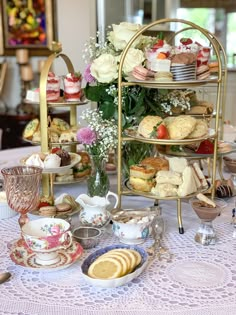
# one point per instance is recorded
(29, 24)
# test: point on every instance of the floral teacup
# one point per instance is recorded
(45, 237)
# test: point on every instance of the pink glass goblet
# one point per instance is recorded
(22, 185)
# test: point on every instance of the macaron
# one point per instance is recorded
(63, 207)
(47, 210)
(141, 73)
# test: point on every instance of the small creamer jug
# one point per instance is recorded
(95, 210)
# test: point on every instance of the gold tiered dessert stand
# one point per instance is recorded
(47, 179)
(219, 81)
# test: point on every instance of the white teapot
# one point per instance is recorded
(95, 209)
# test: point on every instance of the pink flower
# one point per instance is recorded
(86, 136)
(87, 75)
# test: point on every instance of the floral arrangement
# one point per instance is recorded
(100, 135)
(101, 73)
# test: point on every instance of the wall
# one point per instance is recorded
(76, 23)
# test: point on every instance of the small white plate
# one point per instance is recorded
(21, 255)
(113, 283)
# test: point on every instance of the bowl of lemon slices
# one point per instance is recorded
(114, 265)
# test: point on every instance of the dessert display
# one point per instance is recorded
(186, 61)
(53, 87)
(207, 210)
(72, 87)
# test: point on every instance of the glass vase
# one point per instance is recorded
(98, 183)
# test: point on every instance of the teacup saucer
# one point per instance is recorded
(23, 256)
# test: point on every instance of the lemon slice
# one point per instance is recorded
(129, 257)
(105, 268)
(125, 259)
(119, 258)
(137, 256)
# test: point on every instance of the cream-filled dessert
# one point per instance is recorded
(34, 160)
(72, 86)
(52, 160)
(158, 57)
(53, 87)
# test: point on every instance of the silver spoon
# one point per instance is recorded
(4, 277)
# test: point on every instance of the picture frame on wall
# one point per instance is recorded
(29, 24)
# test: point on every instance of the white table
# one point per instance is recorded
(199, 280)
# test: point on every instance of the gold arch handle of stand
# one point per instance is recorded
(47, 179)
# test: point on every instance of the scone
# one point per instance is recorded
(200, 129)
(181, 127)
(146, 126)
(158, 163)
(31, 128)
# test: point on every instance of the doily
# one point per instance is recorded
(199, 280)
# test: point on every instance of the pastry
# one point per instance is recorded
(34, 160)
(52, 161)
(53, 87)
(31, 128)
(156, 55)
(158, 163)
(203, 72)
(64, 157)
(224, 191)
(47, 210)
(213, 66)
(200, 130)
(147, 124)
(59, 125)
(181, 127)
(67, 136)
(141, 73)
(72, 86)
(142, 171)
(141, 184)
(63, 207)
(163, 76)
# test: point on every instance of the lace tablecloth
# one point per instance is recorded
(199, 280)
